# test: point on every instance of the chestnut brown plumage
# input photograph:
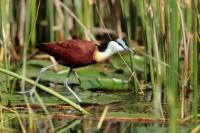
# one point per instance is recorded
(72, 53)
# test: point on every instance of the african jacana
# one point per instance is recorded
(80, 53)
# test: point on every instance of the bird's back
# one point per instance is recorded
(71, 53)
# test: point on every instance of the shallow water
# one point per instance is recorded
(126, 113)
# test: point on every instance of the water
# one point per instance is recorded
(126, 113)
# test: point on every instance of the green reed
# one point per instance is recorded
(33, 5)
(78, 12)
(168, 26)
(173, 60)
(50, 19)
(125, 8)
(5, 35)
(27, 28)
(87, 16)
(194, 48)
(66, 23)
(170, 31)
(83, 11)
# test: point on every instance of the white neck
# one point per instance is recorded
(112, 48)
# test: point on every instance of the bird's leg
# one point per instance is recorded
(77, 76)
(67, 86)
(37, 79)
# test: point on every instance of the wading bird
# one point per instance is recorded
(79, 53)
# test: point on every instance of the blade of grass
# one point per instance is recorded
(79, 14)
(5, 35)
(18, 117)
(125, 5)
(66, 21)
(45, 110)
(26, 44)
(103, 115)
(24, 58)
(50, 19)
(149, 37)
(185, 64)
(68, 126)
(79, 22)
(87, 17)
(172, 78)
(194, 49)
(33, 16)
(46, 89)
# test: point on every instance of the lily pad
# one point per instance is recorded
(105, 84)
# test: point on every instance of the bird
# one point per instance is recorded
(76, 53)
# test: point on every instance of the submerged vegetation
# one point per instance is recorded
(163, 74)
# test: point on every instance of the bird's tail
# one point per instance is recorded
(45, 47)
(39, 45)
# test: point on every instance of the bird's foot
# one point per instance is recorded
(30, 92)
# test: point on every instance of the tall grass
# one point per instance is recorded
(168, 35)
(169, 30)
(5, 37)
(193, 26)
(66, 23)
(50, 19)
(173, 43)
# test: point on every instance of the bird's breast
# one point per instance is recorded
(101, 56)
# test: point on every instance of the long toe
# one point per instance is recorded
(31, 92)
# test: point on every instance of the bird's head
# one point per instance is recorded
(109, 48)
(119, 45)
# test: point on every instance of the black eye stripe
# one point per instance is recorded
(104, 46)
(120, 44)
